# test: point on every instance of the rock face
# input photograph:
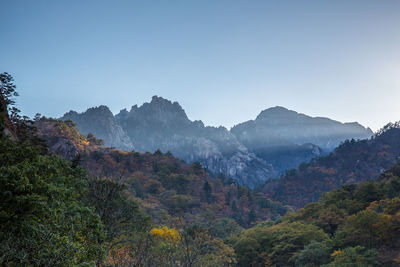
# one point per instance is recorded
(251, 153)
(164, 125)
(101, 122)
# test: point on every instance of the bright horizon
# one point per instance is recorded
(223, 61)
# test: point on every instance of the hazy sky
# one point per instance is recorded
(223, 61)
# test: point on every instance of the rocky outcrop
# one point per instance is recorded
(101, 122)
(62, 147)
(162, 124)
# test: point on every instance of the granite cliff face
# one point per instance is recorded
(101, 122)
(164, 125)
(251, 153)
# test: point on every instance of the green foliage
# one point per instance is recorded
(225, 228)
(7, 90)
(247, 250)
(120, 215)
(280, 242)
(314, 254)
(354, 257)
(354, 224)
(51, 214)
(42, 219)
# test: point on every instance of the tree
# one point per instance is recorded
(42, 218)
(247, 250)
(197, 168)
(354, 257)
(252, 215)
(7, 91)
(314, 254)
(7, 94)
(95, 141)
(121, 217)
(368, 192)
(360, 229)
(207, 192)
(224, 228)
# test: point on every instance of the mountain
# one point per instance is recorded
(251, 153)
(286, 138)
(164, 125)
(101, 122)
(351, 162)
(279, 126)
(166, 187)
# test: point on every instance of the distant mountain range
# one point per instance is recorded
(251, 152)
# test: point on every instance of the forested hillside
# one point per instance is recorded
(351, 162)
(166, 187)
(356, 225)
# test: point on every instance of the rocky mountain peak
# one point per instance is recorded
(279, 113)
(101, 122)
(159, 110)
(274, 125)
(100, 111)
(70, 113)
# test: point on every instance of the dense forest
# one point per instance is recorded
(355, 225)
(351, 162)
(66, 200)
(166, 187)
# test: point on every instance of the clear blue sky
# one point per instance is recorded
(224, 61)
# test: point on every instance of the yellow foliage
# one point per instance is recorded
(167, 234)
(85, 142)
(373, 205)
(336, 253)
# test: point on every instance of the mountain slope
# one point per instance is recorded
(286, 138)
(355, 225)
(251, 152)
(279, 126)
(351, 162)
(166, 187)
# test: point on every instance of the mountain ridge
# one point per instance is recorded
(163, 124)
